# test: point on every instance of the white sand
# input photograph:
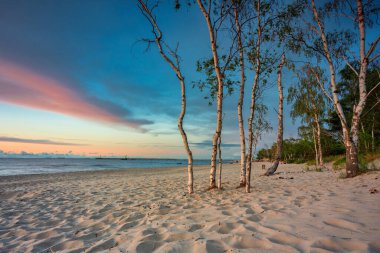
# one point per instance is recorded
(147, 210)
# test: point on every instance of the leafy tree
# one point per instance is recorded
(309, 104)
(317, 38)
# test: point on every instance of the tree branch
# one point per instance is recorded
(371, 48)
(321, 85)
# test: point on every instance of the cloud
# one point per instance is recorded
(118, 111)
(26, 88)
(46, 142)
(24, 154)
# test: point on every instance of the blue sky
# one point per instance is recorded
(126, 99)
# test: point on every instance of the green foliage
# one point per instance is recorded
(302, 150)
(340, 163)
(364, 160)
(342, 175)
(332, 158)
(307, 100)
(260, 124)
(369, 134)
(294, 151)
(209, 85)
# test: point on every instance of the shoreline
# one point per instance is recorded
(74, 167)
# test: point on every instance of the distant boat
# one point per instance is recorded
(125, 158)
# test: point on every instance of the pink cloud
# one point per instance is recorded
(26, 88)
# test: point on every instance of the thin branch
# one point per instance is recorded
(321, 85)
(158, 38)
(377, 85)
(349, 65)
(374, 58)
(378, 102)
(371, 48)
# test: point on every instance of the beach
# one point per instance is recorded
(149, 210)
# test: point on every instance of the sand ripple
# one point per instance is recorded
(139, 211)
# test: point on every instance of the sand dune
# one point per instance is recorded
(148, 210)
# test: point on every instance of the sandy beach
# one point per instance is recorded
(149, 210)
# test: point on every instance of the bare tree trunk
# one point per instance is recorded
(184, 139)
(280, 131)
(241, 97)
(253, 100)
(175, 65)
(352, 161)
(315, 149)
(358, 109)
(366, 145)
(220, 164)
(250, 133)
(337, 105)
(256, 140)
(219, 77)
(373, 133)
(320, 152)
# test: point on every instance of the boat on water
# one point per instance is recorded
(125, 158)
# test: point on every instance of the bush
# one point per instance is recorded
(340, 163)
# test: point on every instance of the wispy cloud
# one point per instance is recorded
(25, 154)
(24, 87)
(34, 141)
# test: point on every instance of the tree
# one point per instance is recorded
(308, 103)
(172, 58)
(213, 28)
(280, 131)
(333, 46)
(257, 62)
(236, 11)
(260, 124)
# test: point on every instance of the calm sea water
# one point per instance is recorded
(22, 166)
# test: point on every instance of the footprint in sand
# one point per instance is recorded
(214, 246)
(226, 228)
(195, 227)
(147, 246)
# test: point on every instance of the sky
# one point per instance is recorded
(76, 79)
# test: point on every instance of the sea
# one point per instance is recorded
(25, 166)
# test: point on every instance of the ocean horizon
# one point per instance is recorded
(29, 166)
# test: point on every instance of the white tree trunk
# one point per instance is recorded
(190, 181)
(280, 131)
(320, 154)
(174, 64)
(220, 164)
(358, 109)
(256, 140)
(352, 165)
(241, 98)
(253, 100)
(315, 148)
(219, 78)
